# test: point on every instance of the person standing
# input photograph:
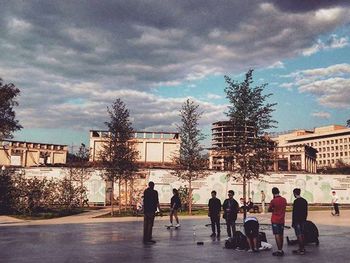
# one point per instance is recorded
(299, 217)
(231, 208)
(263, 197)
(175, 205)
(214, 214)
(278, 208)
(335, 203)
(150, 205)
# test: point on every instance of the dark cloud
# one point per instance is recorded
(308, 5)
(71, 58)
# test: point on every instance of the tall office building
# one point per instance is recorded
(331, 142)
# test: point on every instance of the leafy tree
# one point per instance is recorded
(8, 122)
(79, 170)
(119, 155)
(67, 194)
(250, 116)
(348, 123)
(7, 192)
(190, 163)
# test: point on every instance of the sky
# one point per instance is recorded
(72, 59)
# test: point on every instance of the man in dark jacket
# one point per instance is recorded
(150, 205)
(299, 220)
(231, 208)
(214, 213)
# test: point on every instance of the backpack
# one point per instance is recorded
(311, 233)
(241, 240)
(230, 243)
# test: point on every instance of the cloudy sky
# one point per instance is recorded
(71, 59)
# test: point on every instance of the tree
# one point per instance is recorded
(79, 170)
(8, 122)
(118, 155)
(250, 116)
(348, 123)
(190, 163)
(7, 191)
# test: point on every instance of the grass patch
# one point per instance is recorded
(49, 214)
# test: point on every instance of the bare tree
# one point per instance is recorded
(190, 163)
(118, 155)
(250, 117)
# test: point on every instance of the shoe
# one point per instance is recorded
(177, 225)
(250, 250)
(150, 242)
(299, 252)
(278, 253)
(213, 235)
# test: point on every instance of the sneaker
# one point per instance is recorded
(299, 252)
(278, 253)
(149, 242)
(213, 235)
(177, 225)
(250, 250)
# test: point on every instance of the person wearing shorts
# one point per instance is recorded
(278, 208)
(175, 205)
(251, 230)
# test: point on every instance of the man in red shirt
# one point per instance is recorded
(278, 208)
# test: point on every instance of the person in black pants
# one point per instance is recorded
(231, 209)
(214, 214)
(299, 217)
(150, 205)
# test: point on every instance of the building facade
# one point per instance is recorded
(296, 157)
(29, 154)
(154, 148)
(331, 142)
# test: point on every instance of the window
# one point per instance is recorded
(327, 142)
(336, 148)
(319, 143)
(332, 148)
(345, 139)
(312, 144)
(328, 155)
(340, 147)
(332, 141)
(336, 154)
(327, 148)
(333, 161)
(341, 154)
(336, 141)
(341, 140)
(346, 153)
(332, 154)
(324, 155)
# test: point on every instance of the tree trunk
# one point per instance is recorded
(244, 196)
(81, 192)
(131, 191)
(119, 194)
(190, 197)
(126, 194)
(111, 197)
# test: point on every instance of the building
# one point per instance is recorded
(296, 157)
(223, 142)
(154, 148)
(293, 158)
(29, 154)
(331, 142)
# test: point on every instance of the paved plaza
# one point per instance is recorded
(82, 238)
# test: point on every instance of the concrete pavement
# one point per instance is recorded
(119, 240)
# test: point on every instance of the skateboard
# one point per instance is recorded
(168, 227)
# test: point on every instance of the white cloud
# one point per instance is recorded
(332, 43)
(329, 85)
(213, 96)
(321, 115)
(288, 86)
(277, 64)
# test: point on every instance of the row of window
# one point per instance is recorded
(328, 142)
(341, 154)
(332, 161)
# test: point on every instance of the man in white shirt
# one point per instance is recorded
(335, 204)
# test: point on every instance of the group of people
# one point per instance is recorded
(230, 209)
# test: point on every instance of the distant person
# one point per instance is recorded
(175, 205)
(230, 207)
(242, 207)
(299, 217)
(150, 205)
(278, 208)
(250, 204)
(335, 203)
(251, 230)
(263, 198)
(214, 214)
